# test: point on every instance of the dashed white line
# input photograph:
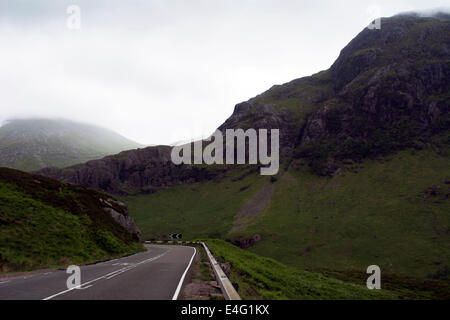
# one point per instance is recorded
(106, 276)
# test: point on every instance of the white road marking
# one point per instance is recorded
(26, 277)
(82, 288)
(180, 284)
(106, 276)
(120, 272)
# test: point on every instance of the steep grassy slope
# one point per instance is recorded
(37, 143)
(393, 211)
(265, 278)
(44, 223)
(195, 210)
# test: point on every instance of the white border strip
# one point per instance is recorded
(180, 284)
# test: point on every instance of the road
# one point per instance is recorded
(156, 274)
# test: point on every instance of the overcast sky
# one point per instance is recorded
(160, 71)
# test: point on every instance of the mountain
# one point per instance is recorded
(45, 223)
(388, 90)
(37, 143)
(364, 178)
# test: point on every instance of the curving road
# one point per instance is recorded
(156, 274)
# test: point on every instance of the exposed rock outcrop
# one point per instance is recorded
(123, 218)
(129, 172)
(245, 243)
(254, 115)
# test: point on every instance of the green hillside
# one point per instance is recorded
(196, 210)
(44, 224)
(392, 211)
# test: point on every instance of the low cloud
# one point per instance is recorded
(161, 71)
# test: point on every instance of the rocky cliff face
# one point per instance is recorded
(253, 114)
(388, 90)
(129, 172)
(391, 91)
(400, 71)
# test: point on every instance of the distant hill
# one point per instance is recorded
(45, 223)
(32, 144)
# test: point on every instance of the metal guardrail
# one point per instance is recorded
(225, 284)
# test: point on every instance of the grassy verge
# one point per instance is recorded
(264, 278)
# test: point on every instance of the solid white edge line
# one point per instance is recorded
(180, 284)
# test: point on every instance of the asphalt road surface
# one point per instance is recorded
(156, 274)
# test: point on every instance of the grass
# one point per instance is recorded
(194, 210)
(205, 271)
(377, 212)
(265, 278)
(36, 233)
